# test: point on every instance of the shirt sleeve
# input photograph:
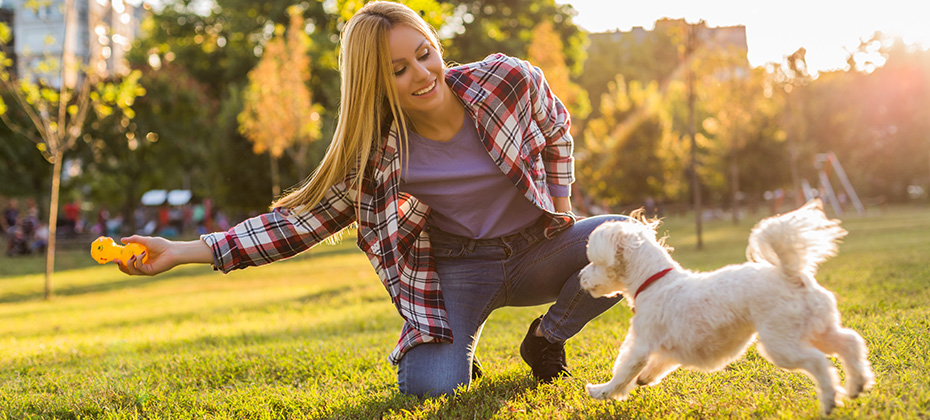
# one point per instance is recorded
(282, 233)
(554, 120)
(557, 190)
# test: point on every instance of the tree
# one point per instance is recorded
(743, 123)
(875, 116)
(481, 27)
(546, 52)
(638, 56)
(278, 116)
(790, 79)
(23, 170)
(219, 48)
(166, 144)
(630, 154)
(56, 110)
(215, 51)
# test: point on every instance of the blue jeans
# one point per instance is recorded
(479, 276)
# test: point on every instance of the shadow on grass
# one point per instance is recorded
(484, 400)
(127, 282)
(273, 356)
(131, 282)
(326, 296)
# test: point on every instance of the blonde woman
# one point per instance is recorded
(458, 179)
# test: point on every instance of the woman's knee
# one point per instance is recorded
(432, 370)
(431, 388)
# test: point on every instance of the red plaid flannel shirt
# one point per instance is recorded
(525, 129)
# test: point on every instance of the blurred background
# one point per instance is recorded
(178, 118)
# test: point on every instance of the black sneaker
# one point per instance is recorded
(546, 359)
(476, 370)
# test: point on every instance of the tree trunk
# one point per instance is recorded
(793, 153)
(53, 222)
(734, 185)
(275, 177)
(692, 131)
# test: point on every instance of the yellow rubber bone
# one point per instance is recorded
(105, 249)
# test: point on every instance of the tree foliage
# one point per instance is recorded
(278, 114)
(478, 28)
(643, 127)
(630, 152)
(546, 51)
(164, 146)
(218, 48)
(873, 115)
(57, 109)
(643, 57)
(22, 168)
(875, 118)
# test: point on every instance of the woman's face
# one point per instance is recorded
(418, 70)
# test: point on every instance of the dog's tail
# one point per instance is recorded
(796, 242)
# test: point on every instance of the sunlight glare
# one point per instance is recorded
(830, 30)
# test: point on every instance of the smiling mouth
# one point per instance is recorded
(425, 90)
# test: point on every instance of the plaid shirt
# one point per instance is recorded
(525, 129)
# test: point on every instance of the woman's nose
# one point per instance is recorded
(420, 71)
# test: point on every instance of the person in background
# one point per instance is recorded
(72, 215)
(10, 215)
(40, 239)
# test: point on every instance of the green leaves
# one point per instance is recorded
(5, 33)
(109, 96)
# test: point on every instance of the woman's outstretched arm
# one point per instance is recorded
(164, 255)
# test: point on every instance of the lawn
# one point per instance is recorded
(308, 338)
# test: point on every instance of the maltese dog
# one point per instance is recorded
(704, 321)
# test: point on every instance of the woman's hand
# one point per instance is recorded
(164, 255)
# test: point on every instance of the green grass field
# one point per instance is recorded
(308, 338)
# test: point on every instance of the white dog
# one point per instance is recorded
(705, 321)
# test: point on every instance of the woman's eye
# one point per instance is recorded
(400, 72)
(425, 56)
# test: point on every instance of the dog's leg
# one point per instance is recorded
(850, 348)
(657, 369)
(631, 360)
(791, 354)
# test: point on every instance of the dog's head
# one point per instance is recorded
(622, 255)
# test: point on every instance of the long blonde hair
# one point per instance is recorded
(369, 100)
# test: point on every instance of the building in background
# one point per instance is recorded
(95, 33)
(711, 39)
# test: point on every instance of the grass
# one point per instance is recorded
(308, 338)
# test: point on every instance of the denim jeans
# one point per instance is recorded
(479, 276)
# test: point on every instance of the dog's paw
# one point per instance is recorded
(598, 392)
(603, 391)
(856, 388)
(827, 406)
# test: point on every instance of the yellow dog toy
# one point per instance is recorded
(105, 249)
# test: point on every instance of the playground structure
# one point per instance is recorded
(827, 163)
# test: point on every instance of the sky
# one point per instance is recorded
(774, 29)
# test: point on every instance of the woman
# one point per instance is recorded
(458, 179)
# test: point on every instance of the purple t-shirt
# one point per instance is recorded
(469, 194)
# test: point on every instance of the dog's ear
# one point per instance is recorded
(813, 204)
(605, 246)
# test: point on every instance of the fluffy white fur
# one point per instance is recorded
(704, 321)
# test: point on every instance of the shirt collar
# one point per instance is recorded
(465, 87)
